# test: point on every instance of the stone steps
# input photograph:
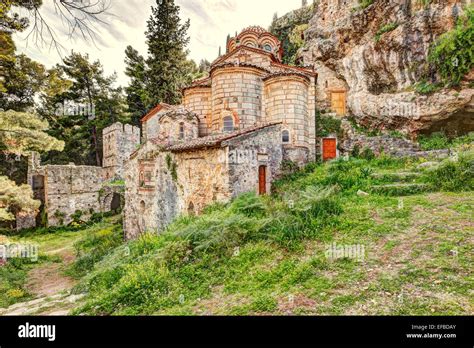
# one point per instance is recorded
(59, 304)
(401, 189)
(397, 177)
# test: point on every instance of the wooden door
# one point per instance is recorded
(262, 180)
(329, 149)
(338, 103)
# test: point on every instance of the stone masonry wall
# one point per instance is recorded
(119, 141)
(286, 100)
(202, 178)
(198, 100)
(69, 189)
(247, 153)
(183, 183)
(237, 91)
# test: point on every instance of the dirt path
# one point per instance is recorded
(50, 287)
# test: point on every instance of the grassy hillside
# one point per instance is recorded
(268, 255)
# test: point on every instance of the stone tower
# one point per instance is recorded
(119, 142)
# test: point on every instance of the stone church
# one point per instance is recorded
(231, 135)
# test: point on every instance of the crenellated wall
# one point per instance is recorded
(119, 141)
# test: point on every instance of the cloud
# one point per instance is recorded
(125, 24)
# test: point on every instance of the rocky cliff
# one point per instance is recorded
(378, 52)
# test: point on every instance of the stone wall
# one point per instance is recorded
(290, 99)
(247, 153)
(236, 92)
(119, 141)
(68, 189)
(185, 182)
(202, 178)
(198, 100)
(179, 125)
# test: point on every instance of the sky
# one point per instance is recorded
(125, 24)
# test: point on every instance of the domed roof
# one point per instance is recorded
(253, 29)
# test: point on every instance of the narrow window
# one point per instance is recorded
(181, 131)
(228, 124)
(285, 137)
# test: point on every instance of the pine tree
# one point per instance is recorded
(167, 39)
(137, 97)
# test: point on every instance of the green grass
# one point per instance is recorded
(268, 255)
(52, 245)
(254, 254)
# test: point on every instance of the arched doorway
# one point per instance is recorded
(262, 180)
(39, 194)
(116, 203)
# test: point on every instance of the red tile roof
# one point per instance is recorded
(212, 140)
(154, 111)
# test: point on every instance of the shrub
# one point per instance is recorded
(439, 140)
(367, 154)
(435, 141)
(454, 175)
(220, 232)
(452, 52)
(93, 248)
(424, 87)
(248, 204)
(385, 29)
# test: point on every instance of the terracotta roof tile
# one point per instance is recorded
(213, 140)
(154, 111)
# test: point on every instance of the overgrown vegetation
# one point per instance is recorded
(251, 253)
(326, 125)
(452, 53)
(385, 29)
(289, 29)
(439, 140)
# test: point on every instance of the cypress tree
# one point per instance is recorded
(167, 39)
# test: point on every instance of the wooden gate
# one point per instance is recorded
(329, 149)
(338, 102)
(262, 180)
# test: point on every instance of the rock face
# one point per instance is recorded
(377, 54)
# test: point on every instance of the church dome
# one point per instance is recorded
(256, 37)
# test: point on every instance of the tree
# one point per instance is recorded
(21, 133)
(204, 66)
(83, 110)
(15, 199)
(138, 100)
(167, 39)
(23, 80)
(79, 17)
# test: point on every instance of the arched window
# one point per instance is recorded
(268, 48)
(191, 211)
(285, 137)
(228, 124)
(181, 131)
(142, 207)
